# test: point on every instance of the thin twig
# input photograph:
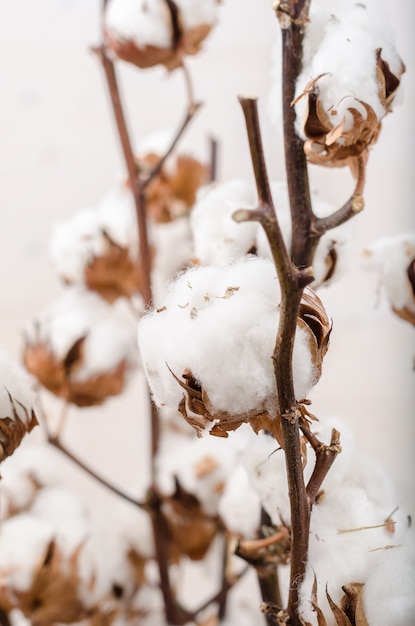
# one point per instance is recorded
(54, 441)
(123, 133)
(190, 113)
(325, 457)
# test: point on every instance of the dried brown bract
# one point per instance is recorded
(115, 273)
(53, 595)
(59, 375)
(14, 427)
(342, 143)
(191, 530)
(172, 193)
(349, 613)
(313, 318)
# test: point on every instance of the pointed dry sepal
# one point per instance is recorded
(17, 412)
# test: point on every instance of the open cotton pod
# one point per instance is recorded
(208, 350)
(153, 32)
(98, 247)
(394, 260)
(17, 400)
(81, 348)
(351, 72)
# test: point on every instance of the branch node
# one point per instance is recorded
(358, 204)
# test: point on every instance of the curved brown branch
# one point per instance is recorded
(353, 206)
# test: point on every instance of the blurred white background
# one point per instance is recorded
(59, 152)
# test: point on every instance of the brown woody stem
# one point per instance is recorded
(325, 457)
(291, 283)
(144, 251)
(352, 207)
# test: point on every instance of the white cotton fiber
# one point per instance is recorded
(240, 505)
(221, 323)
(390, 257)
(15, 382)
(109, 330)
(340, 42)
(218, 239)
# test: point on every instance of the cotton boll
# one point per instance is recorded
(350, 75)
(65, 511)
(388, 594)
(218, 239)
(391, 258)
(74, 242)
(221, 324)
(143, 21)
(17, 392)
(82, 348)
(240, 506)
(142, 32)
(24, 540)
(118, 219)
(201, 466)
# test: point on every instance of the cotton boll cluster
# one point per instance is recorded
(219, 240)
(17, 405)
(214, 338)
(153, 32)
(351, 71)
(81, 348)
(60, 546)
(394, 260)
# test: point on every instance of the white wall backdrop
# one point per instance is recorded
(59, 152)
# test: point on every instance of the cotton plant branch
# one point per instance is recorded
(325, 457)
(292, 281)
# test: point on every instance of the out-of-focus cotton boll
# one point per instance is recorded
(82, 348)
(220, 324)
(240, 506)
(147, 33)
(17, 405)
(24, 540)
(202, 466)
(393, 258)
(388, 594)
(218, 239)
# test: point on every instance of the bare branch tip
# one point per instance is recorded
(242, 215)
(358, 204)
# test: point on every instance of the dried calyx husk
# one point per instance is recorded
(343, 143)
(198, 410)
(176, 32)
(59, 375)
(115, 273)
(172, 192)
(349, 612)
(191, 531)
(13, 427)
(17, 405)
